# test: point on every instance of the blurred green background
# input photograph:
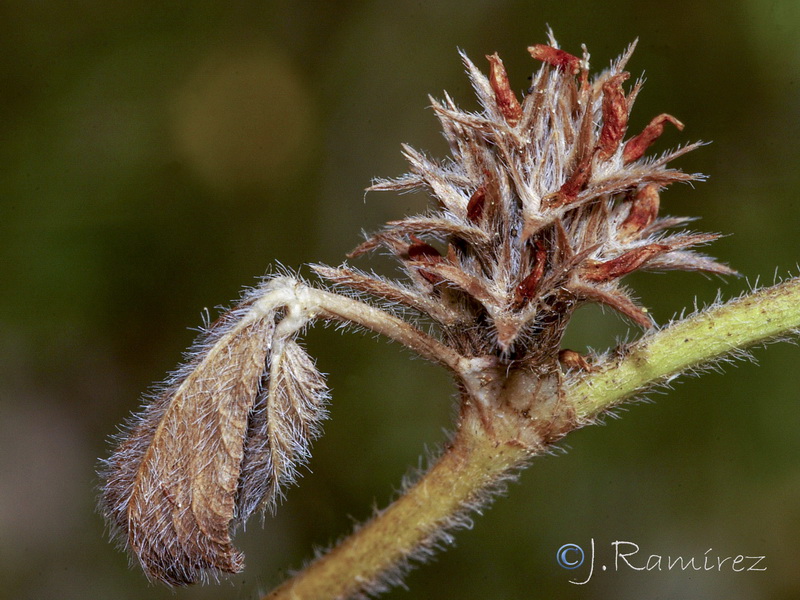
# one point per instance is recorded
(157, 157)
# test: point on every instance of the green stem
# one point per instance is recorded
(694, 342)
(489, 447)
(382, 547)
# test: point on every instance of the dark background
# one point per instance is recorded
(157, 157)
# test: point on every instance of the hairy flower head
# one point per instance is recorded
(545, 203)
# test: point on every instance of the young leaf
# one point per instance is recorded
(285, 420)
(215, 445)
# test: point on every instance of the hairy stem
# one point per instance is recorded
(483, 453)
(305, 303)
(696, 341)
(342, 308)
(376, 553)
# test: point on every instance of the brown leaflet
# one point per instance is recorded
(170, 487)
(285, 420)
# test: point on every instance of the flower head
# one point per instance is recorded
(545, 203)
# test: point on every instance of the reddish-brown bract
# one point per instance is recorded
(527, 287)
(421, 252)
(573, 210)
(637, 146)
(615, 116)
(556, 57)
(568, 192)
(476, 204)
(506, 100)
(570, 359)
(623, 264)
(643, 211)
